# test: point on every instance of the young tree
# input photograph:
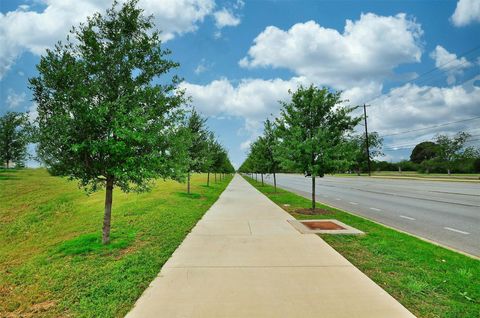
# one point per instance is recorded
(360, 156)
(198, 144)
(258, 157)
(15, 134)
(271, 149)
(103, 117)
(211, 146)
(451, 149)
(313, 128)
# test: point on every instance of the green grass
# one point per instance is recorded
(429, 280)
(52, 262)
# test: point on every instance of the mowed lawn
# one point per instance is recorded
(51, 261)
(431, 281)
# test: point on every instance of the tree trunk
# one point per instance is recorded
(108, 211)
(448, 171)
(313, 192)
(262, 180)
(8, 164)
(275, 182)
(208, 179)
(188, 182)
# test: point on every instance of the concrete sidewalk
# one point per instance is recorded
(243, 259)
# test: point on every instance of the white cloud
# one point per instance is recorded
(251, 99)
(449, 62)
(412, 107)
(225, 18)
(245, 145)
(403, 108)
(466, 12)
(22, 30)
(369, 49)
(14, 100)
(32, 112)
(203, 66)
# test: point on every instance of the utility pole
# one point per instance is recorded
(366, 138)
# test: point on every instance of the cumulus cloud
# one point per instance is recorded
(449, 63)
(23, 30)
(412, 107)
(404, 108)
(224, 18)
(369, 49)
(466, 12)
(251, 99)
(14, 100)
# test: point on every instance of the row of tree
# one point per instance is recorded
(313, 135)
(109, 113)
(446, 154)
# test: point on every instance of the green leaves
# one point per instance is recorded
(15, 134)
(107, 106)
(314, 127)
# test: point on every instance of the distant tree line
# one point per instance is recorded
(109, 113)
(442, 155)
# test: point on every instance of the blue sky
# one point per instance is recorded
(238, 58)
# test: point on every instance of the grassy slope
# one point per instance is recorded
(430, 281)
(51, 261)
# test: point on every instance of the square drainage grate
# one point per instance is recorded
(323, 226)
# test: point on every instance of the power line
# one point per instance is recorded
(431, 71)
(430, 127)
(409, 146)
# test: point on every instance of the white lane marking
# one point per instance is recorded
(354, 203)
(407, 217)
(338, 199)
(375, 209)
(455, 230)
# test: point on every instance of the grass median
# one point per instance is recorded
(429, 280)
(52, 262)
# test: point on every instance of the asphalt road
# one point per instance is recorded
(444, 212)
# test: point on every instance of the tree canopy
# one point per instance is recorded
(15, 134)
(311, 135)
(104, 118)
(424, 151)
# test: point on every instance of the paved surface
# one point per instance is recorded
(444, 212)
(243, 259)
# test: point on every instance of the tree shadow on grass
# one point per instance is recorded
(190, 195)
(8, 174)
(91, 243)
